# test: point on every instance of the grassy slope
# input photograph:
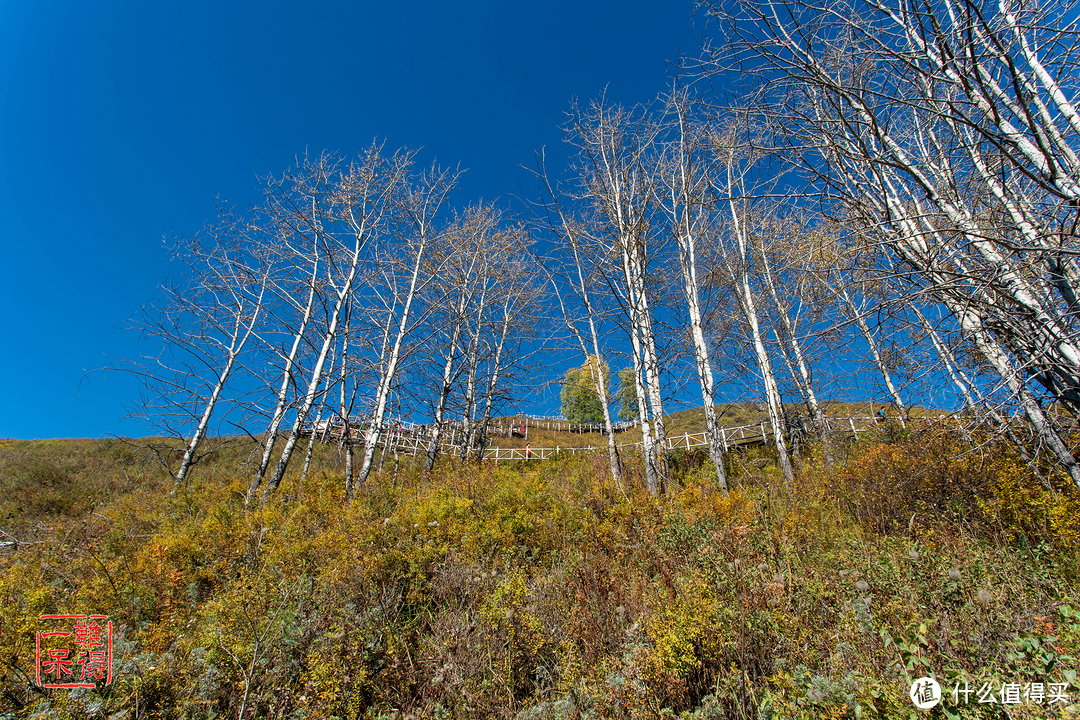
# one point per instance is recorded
(539, 590)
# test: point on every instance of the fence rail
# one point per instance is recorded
(330, 429)
(413, 441)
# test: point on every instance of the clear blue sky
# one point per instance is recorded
(121, 121)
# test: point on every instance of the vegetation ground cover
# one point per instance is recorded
(543, 590)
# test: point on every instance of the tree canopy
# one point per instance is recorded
(580, 399)
(626, 395)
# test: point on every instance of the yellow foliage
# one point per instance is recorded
(502, 592)
(680, 625)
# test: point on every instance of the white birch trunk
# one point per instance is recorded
(444, 395)
(768, 377)
(1004, 367)
(614, 461)
(745, 294)
(311, 441)
(236, 346)
(652, 377)
(344, 410)
(467, 428)
(911, 246)
(860, 320)
(648, 443)
(287, 376)
(342, 294)
(680, 212)
(493, 381)
(653, 456)
(457, 320)
(802, 378)
(371, 436)
(701, 355)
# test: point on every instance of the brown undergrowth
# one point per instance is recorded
(544, 590)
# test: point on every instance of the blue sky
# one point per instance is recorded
(121, 121)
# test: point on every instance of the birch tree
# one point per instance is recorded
(516, 292)
(735, 161)
(345, 209)
(475, 329)
(948, 130)
(453, 295)
(420, 203)
(684, 199)
(301, 249)
(479, 297)
(244, 314)
(576, 278)
(200, 333)
(617, 168)
(789, 238)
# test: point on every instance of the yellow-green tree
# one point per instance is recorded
(626, 395)
(581, 391)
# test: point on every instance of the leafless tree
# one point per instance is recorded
(784, 250)
(515, 295)
(685, 200)
(344, 208)
(579, 281)
(735, 160)
(617, 169)
(299, 251)
(462, 255)
(477, 302)
(420, 206)
(947, 130)
(200, 333)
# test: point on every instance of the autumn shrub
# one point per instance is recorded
(547, 590)
(937, 475)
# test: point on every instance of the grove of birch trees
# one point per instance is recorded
(319, 308)
(837, 200)
(942, 137)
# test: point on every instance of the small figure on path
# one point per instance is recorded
(528, 452)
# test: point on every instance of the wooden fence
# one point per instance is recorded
(411, 442)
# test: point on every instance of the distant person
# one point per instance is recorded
(880, 415)
(528, 452)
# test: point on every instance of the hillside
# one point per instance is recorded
(542, 590)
